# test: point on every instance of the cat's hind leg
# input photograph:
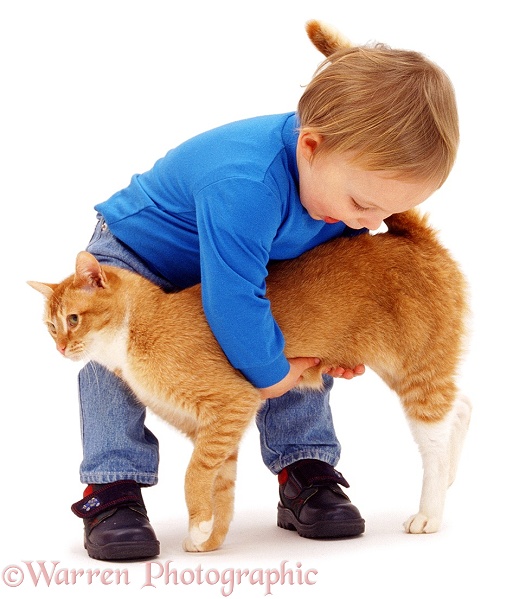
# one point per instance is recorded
(440, 445)
(461, 412)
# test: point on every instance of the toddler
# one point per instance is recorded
(375, 133)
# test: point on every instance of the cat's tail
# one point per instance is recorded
(409, 224)
(325, 38)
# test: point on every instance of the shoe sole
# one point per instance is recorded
(320, 530)
(123, 551)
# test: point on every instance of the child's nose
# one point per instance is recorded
(371, 223)
(374, 220)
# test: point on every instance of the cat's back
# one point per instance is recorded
(407, 256)
(399, 283)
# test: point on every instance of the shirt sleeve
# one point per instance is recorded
(237, 222)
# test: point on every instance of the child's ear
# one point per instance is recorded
(308, 144)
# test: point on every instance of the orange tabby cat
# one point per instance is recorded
(394, 301)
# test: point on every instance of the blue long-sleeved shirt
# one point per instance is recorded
(217, 209)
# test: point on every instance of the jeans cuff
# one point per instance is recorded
(102, 478)
(307, 454)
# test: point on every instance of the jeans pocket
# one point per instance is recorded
(99, 228)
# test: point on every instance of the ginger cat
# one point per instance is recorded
(395, 301)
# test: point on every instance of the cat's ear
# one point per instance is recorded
(88, 272)
(46, 289)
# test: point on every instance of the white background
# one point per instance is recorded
(95, 91)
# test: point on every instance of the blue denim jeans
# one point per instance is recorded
(117, 444)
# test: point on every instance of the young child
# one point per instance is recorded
(375, 133)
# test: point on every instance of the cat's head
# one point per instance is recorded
(78, 308)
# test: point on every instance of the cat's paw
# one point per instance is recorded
(420, 523)
(198, 536)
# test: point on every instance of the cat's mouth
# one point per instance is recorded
(75, 354)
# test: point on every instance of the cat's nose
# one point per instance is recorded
(62, 348)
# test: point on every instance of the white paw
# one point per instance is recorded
(420, 523)
(198, 534)
(188, 545)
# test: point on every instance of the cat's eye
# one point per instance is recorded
(72, 320)
(51, 328)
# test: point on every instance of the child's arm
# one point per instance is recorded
(297, 367)
(237, 222)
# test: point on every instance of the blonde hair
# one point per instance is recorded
(391, 110)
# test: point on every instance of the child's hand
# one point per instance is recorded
(345, 373)
(297, 367)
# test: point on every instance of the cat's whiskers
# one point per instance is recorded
(92, 369)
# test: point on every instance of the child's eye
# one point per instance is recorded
(357, 206)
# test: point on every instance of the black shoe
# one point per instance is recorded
(313, 504)
(116, 525)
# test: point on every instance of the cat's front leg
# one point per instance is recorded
(199, 482)
(440, 445)
(199, 534)
(210, 535)
(209, 490)
(210, 477)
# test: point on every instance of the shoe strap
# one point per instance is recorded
(315, 473)
(121, 492)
